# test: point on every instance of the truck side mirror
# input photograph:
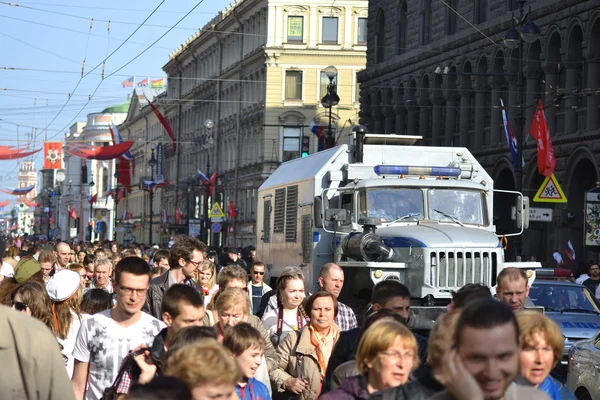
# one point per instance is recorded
(522, 212)
(318, 211)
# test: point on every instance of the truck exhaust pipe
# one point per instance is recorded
(368, 246)
(359, 131)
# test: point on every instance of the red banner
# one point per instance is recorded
(164, 123)
(53, 155)
(540, 132)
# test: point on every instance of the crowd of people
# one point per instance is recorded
(98, 321)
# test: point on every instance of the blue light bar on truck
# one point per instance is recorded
(408, 170)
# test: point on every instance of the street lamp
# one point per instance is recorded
(330, 100)
(91, 221)
(524, 30)
(208, 124)
(115, 203)
(151, 163)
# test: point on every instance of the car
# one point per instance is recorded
(572, 307)
(583, 370)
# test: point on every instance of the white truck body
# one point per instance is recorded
(433, 253)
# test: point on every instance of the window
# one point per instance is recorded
(380, 38)
(330, 30)
(361, 36)
(451, 17)
(293, 85)
(295, 29)
(291, 142)
(480, 11)
(323, 82)
(356, 88)
(401, 30)
(426, 22)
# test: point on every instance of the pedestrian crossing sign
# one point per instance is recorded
(216, 211)
(550, 192)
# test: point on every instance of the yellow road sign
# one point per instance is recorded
(216, 211)
(550, 192)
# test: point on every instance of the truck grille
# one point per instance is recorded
(452, 270)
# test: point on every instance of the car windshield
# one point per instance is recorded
(563, 298)
(460, 206)
(392, 204)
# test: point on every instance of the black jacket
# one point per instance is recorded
(157, 350)
(158, 287)
(419, 389)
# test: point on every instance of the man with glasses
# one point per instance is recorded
(256, 287)
(106, 338)
(185, 258)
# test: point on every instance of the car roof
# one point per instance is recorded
(555, 282)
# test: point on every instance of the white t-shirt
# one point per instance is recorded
(290, 322)
(103, 344)
(68, 343)
(7, 270)
(208, 297)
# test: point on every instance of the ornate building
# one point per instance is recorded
(243, 92)
(27, 176)
(402, 91)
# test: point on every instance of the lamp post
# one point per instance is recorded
(208, 124)
(115, 201)
(49, 193)
(330, 100)
(91, 221)
(151, 164)
(524, 30)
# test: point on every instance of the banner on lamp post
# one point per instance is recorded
(159, 162)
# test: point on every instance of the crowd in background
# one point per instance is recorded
(191, 323)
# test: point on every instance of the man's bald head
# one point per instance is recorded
(331, 279)
(63, 252)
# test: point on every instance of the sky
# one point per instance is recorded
(47, 41)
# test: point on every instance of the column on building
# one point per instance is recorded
(482, 91)
(551, 71)
(400, 110)
(513, 105)
(377, 114)
(451, 94)
(593, 100)
(412, 110)
(465, 115)
(425, 122)
(390, 119)
(571, 98)
(498, 86)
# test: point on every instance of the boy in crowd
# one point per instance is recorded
(247, 346)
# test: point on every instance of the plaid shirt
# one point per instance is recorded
(345, 319)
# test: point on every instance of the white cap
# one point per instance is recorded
(63, 285)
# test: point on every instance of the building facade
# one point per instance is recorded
(242, 94)
(133, 217)
(85, 179)
(401, 92)
(25, 214)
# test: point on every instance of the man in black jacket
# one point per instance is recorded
(185, 258)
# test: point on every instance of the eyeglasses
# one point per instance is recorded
(196, 264)
(258, 272)
(19, 306)
(398, 356)
(129, 291)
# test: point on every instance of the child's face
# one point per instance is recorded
(249, 361)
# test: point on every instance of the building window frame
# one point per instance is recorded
(425, 22)
(364, 31)
(294, 39)
(289, 98)
(480, 14)
(330, 19)
(452, 17)
(291, 135)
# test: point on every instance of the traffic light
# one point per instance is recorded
(305, 148)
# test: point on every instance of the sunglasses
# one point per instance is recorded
(19, 306)
(258, 272)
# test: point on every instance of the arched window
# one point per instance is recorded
(380, 38)
(451, 17)
(479, 11)
(401, 29)
(426, 22)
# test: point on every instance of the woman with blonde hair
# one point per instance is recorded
(207, 369)
(65, 292)
(289, 315)
(542, 348)
(387, 354)
(207, 279)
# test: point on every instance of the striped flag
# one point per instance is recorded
(143, 82)
(157, 83)
(510, 137)
(128, 82)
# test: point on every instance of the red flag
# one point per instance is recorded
(164, 123)
(540, 132)
(53, 155)
(120, 194)
(178, 216)
(123, 167)
(72, 213)
(233, 212)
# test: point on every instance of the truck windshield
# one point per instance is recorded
(392, 204)
(460, 206)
